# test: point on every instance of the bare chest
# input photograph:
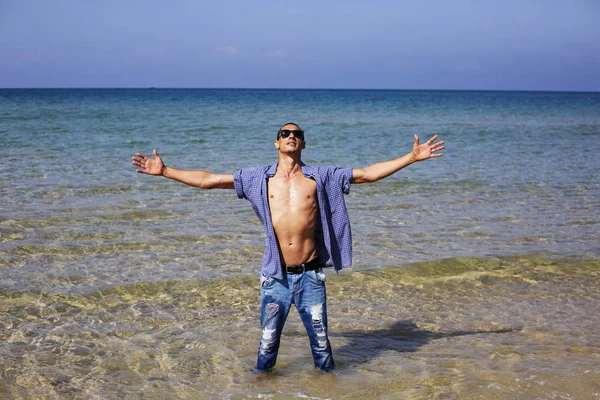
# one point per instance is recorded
(292, 193)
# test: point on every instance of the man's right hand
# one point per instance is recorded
(148, 165)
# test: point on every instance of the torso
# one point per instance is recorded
(294, 210)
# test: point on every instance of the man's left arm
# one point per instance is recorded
(380, 170)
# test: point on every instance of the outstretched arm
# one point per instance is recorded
(197, 178)
(380, 170)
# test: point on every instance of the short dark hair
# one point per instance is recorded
(288, 123)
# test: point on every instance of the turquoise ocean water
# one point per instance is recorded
(476, 275)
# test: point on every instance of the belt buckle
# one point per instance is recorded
(295, 269)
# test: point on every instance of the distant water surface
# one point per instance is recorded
(475, 275)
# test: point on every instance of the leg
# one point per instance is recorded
(312, 307)
(275, 305)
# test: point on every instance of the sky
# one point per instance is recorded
(370, 44)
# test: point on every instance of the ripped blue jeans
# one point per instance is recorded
(307, 292)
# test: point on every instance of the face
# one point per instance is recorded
(290, 144)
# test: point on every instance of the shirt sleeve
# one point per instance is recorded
(240, 182)
(343, 178)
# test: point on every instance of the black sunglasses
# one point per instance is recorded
(284, 133)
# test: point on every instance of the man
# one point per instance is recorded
(303, 211)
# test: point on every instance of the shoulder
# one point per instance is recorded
(247, 180)
(262, 168)
(334, 176)
(333, 170)
(251, 171)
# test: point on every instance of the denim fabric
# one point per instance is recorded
(307, 292)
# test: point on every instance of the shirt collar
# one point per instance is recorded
(271, 170)
(306, 170)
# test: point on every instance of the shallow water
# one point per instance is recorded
(475, 275)
(512, 327)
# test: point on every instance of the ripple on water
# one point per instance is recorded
(453, 328)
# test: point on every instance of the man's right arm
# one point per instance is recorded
(197, 178)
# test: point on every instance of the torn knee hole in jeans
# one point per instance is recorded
(271, 309)
(268, 341)
(321, 335)
(316, 312)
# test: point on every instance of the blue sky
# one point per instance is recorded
(402, 44)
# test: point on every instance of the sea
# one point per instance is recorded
(476, 275)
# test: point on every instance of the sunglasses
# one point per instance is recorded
(284, 133)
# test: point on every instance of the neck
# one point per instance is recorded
(289, 164)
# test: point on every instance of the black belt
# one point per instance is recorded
(307, 266)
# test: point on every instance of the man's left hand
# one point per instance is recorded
(427, 150)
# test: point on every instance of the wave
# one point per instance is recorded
(529, 269)
(526, 268)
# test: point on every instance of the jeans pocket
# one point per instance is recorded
(264, 281)
(320, 276)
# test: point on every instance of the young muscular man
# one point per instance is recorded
(303, 211)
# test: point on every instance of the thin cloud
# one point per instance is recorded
(277, 54)
(230, 50)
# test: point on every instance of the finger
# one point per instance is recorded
(140, 155)
(155, 153)
(432, 139)
(416, 139)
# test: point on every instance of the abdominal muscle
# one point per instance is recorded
(294, 208)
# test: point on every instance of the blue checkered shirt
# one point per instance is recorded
(332, 232)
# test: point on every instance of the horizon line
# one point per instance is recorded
(291, 88)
